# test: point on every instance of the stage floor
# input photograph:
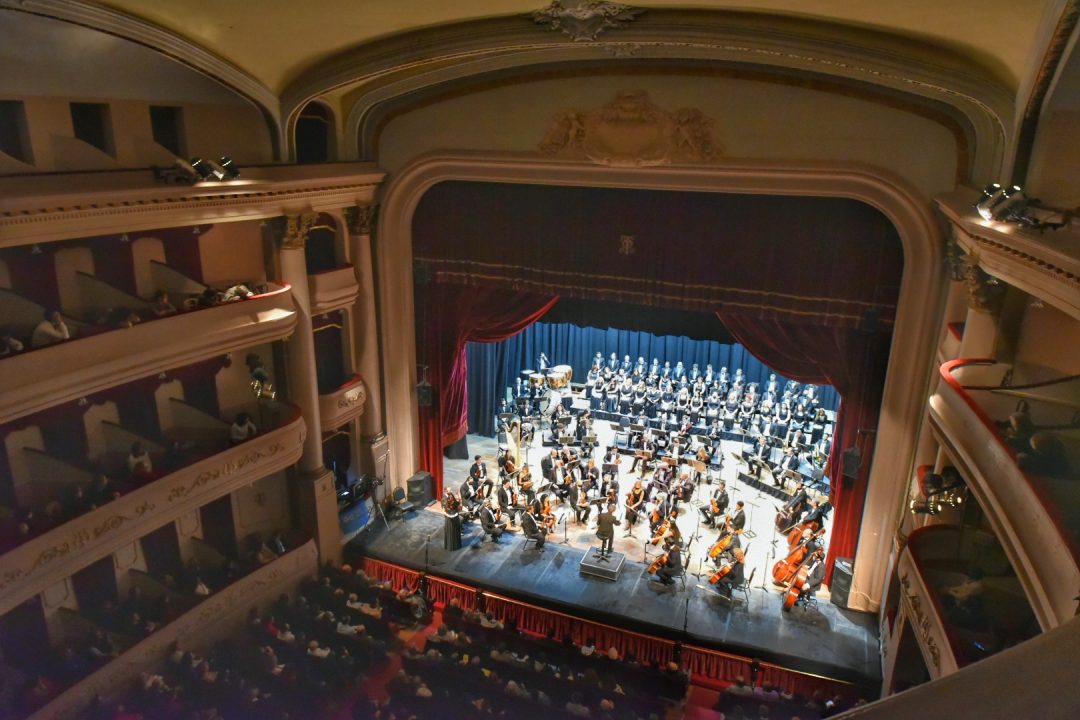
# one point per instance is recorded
(824, 640)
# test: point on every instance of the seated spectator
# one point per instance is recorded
(242, 429)
(767, 691)
(740, 688)
(264, 555)
(210, 297)
(103, 491)
(277, 543)
(1045, 456)
(589, 648)
(52, 329)
(123, 317)
(138, 462)
(575, 707)
(9, 345)
(160, 305)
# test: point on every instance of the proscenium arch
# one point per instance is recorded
(915, 330)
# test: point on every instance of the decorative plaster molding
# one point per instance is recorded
(985, 293)
(48, 216)
(922, 622)
(361, 218)
(631, 131)
(295, 231)
(411, 62)
(585, 19)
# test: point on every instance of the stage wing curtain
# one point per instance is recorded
(854, 362)
(450, 316)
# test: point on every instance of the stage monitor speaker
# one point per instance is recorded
(420, 488)
(841, 581)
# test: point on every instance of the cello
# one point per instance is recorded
(723, 542)
(784, 571)
(724, 570)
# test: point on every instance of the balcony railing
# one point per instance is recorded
(343, 403)
(1036, 517)
(333, 289)
(217, 616)
(962, 597)
(38, 563)
(41, 378)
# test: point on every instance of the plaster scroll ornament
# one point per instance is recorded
(585, 19)
(631, 131)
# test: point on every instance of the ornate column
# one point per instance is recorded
(370, 442)
(314, 491)
(985, 299)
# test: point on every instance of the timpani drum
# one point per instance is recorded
(559, 376)
(536, 380)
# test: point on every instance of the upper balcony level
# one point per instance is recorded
(962, 596)
(1029, 490)
(215, 468)
(42, 377)
(1045, 265)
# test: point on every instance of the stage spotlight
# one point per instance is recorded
(989, 194)
(1012, 206)
(952, 499)
(925, 507)
(229, 168)
(206, 170)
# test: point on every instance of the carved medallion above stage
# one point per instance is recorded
(632, 131)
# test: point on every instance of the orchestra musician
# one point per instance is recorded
(635, 504)
(736, 575)
(534, 528)
(547, 466)
(672, 567)
(661, 512)
(738, 520)
(579, 499)
(816, 514)
(525, 482)
(478, 470)
(468, 494)
(795, 507)
(508, 501)
(716, 506)
(491, 522)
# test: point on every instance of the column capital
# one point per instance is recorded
(985, 292)
(292, 230)
(361, 218)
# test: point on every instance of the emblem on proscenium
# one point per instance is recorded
(626, 245)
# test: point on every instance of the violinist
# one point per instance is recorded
(590, 476)
(478, 470)
(468, 496)
(717, 505)
(525, 482)
(509, 468)
(547, 513)
(635, 503)
(579, 499)
(534, 528)
(491, 523)
(485, 489)
(508, 501)
(735, 575)
(547, 466)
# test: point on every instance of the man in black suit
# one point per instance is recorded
(720, 498)
(467, 492)
(487, 520)
(797, 504)
(506, 501)
(478, 470)
(816, 513)
(532, 529)
(737, 575)
(738, 520)
(605, 529)
(579, 499)
(673, 567)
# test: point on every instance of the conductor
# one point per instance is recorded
(605, 530)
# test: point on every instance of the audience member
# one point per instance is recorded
(52, 329)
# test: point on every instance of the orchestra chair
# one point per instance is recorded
(400, 504)
(744, 587)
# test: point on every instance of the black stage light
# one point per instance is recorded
(990, 194)
(229, 168)
(925, 507)
(206, 169)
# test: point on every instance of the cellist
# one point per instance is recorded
(735, 574)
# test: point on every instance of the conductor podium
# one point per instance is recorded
(608, 569)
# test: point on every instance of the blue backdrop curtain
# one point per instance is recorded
(494, 366)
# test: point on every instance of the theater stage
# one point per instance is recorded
(823, 640)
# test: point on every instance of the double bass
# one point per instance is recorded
(784, 571)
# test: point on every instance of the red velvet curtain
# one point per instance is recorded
(851, 360)
(448, 317)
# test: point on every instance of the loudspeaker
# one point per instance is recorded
(841, 581)
(852, 462)
(425, 394)
(420, 488)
